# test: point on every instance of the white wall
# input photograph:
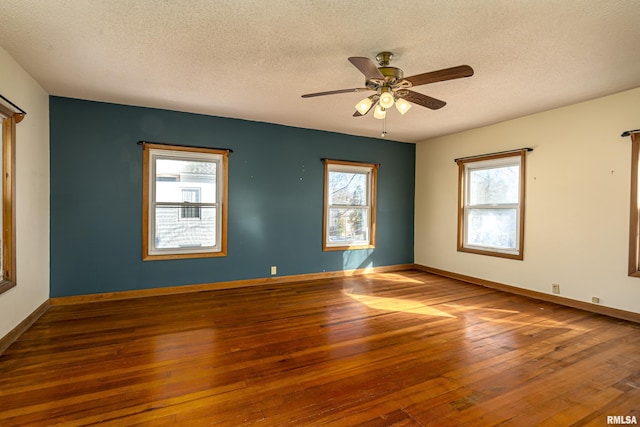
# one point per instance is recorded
(577, 201)
(32, 195)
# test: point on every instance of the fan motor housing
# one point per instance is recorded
(391, 73)
(393, 77)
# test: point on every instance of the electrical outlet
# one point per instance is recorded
(595, 300)
(274, 270)
(555, 288)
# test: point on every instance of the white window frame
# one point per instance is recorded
(155, 152)
(368, 169)
(466, 166)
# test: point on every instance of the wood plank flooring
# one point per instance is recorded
(405, 349)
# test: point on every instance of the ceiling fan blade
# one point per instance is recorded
(441, 75)
(333, 92)
(366, 67)
(424, 100)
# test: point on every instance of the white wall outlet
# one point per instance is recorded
(274, 270)
(555, 288)
(595, 300)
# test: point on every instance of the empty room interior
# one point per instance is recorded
(320, 213)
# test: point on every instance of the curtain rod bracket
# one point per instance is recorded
(20, 114)
(629, 132)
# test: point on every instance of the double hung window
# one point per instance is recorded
(7, 192)
(349, 205)
(185, 205)
(634, 217)
(491, 205)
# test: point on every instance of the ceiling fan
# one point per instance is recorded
(392, 88)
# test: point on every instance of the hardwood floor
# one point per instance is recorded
(406, 348)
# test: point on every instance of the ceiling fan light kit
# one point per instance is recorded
(392, 88)
(402, 105)
(386, 97)
(364, 106)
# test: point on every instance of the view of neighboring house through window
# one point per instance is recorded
(350, 209)
(491, 214)
(185, 204)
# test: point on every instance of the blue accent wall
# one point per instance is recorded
(275, 198)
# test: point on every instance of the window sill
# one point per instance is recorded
(347, 247)
(5, 285)
(519, 257)
(634, 274)
(183, 256)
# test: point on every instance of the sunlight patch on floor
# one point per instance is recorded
(537, 322)
(471, 307)
(394, 277)
(397, 304)
(484, 313)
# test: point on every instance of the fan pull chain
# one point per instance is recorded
(384, 127)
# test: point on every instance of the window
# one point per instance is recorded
(634, 239)
(192, 197)
(491, 204)
(349, 205)
(185, 202)
(8, 188)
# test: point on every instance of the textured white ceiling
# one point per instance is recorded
(252, 59)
